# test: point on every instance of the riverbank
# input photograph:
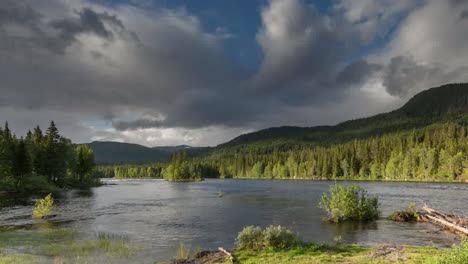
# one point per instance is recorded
(348, 254)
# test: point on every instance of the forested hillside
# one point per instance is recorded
(117, 153)
(448, 102)
(125, 153)
(426, 139)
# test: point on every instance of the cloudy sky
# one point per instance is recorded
(165, 72)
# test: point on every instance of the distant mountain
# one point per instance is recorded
(125, 153)
(173, 149)
(436, 104)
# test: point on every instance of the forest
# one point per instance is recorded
(43, 161)
(433, 153)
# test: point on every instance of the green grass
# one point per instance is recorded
(320, 253)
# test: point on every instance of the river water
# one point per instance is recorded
(157, 215)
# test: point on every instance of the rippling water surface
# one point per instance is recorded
(157, 215)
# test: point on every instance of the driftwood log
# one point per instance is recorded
(455, 223)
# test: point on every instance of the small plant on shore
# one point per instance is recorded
(183, 252)
(408, 215)
(277, 237)
(273, 237)
(43, 207)
(251, 237)
(349, 203)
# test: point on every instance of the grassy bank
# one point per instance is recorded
(314, 253)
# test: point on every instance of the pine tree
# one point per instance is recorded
(22, 166)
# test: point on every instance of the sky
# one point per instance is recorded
(170, 72)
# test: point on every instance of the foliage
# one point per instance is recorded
(273, 237)
(180, 170)
(408, 215)
(251, 237)
(130, 171)
(25, 162)
(43, 207)
(349, 203)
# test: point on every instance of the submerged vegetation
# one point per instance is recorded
(410, 214)
(349, 203)
(45, 245)
(43, 162)
(43, 207)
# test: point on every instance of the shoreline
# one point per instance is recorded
(302, 179)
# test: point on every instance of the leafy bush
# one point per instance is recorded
(278, 237)
(274, 237)
(43, 207)
(456, 255)
(251, 237)
(349, 203)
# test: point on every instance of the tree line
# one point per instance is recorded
(433, 153)
(41, 161)
(437, 152)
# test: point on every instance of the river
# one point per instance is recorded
(157, 215)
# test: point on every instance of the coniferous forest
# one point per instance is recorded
(43, 161)
(433, 153)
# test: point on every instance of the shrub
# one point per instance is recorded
(274, 237)
(251, 237)
(278, 237)
(349, 203)
(43, 207)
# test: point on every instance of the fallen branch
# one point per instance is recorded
(231, 257)
(448, 221)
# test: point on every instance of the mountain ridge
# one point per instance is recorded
(447, 102)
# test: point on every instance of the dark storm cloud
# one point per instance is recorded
(126, 69)
(88, 21)
(166, 64)
(403, 75)
(464, 14)
(12, 11)
(357, 72)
